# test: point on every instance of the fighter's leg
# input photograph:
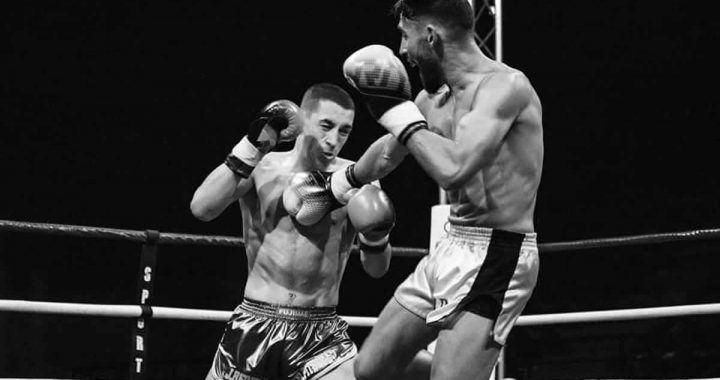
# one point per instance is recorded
(342, 372)
(393, 343)
(419, 368)
(465, 348)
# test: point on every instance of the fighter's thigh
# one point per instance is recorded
(342, 372)
(393, 342)
(465, 348)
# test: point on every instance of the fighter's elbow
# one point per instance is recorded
(388, 163)
(446, 183)
(202, 211)
(458, 175)
(451, 181)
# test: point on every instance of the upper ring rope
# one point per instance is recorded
(167, 238)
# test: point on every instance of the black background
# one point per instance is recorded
(112, 113)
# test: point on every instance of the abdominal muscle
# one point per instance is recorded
(482, 207)
(501, 196)
(297, 265)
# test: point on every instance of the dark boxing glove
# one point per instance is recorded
(276, 122)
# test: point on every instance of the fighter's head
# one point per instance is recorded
(328, 112)
(426, 28)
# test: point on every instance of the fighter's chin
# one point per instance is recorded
(324, 158)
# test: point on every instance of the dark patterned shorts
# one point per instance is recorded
(265, 341)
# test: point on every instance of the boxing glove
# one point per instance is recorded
(277, 121)
(379, 76)
(308, 197)
(372, 213)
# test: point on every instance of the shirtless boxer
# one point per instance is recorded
(480, 138)
(286, 327)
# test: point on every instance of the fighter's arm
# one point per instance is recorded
(381, 158)
(376, 262)
(277, 121)
(220, 188)
(478, 135)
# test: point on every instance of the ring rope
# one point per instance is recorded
(168, 238)
(160, 312)
(667, 237)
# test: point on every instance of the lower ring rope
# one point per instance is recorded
(160, 312)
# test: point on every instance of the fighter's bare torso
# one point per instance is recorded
(289, 263)
(502, 194)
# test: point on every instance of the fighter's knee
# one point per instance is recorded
(362, 368)
(359, 369)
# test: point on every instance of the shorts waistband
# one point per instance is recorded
(304, 313)
(484, 234)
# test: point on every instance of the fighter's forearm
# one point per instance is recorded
(376, 264)
(381, 158)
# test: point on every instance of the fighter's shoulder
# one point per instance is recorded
(508, 79)
(510, 88)
(273, 161)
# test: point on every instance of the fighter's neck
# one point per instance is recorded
(461, 63)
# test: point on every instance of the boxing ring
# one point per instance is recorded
(490, 41)
(150, 240)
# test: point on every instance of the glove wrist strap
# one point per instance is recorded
(410, 130)
(247, 152)
(243, 158)
(342, 181)
(373, 246)
(398, 118)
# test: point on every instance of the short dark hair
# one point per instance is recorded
(326, 91)
(457, 14)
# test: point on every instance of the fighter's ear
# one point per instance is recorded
(434, 39)
(431, 34)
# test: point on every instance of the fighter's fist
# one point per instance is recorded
(382, 80)
(372, 213)
(277, 121)
(378, 74)
(308, 197)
